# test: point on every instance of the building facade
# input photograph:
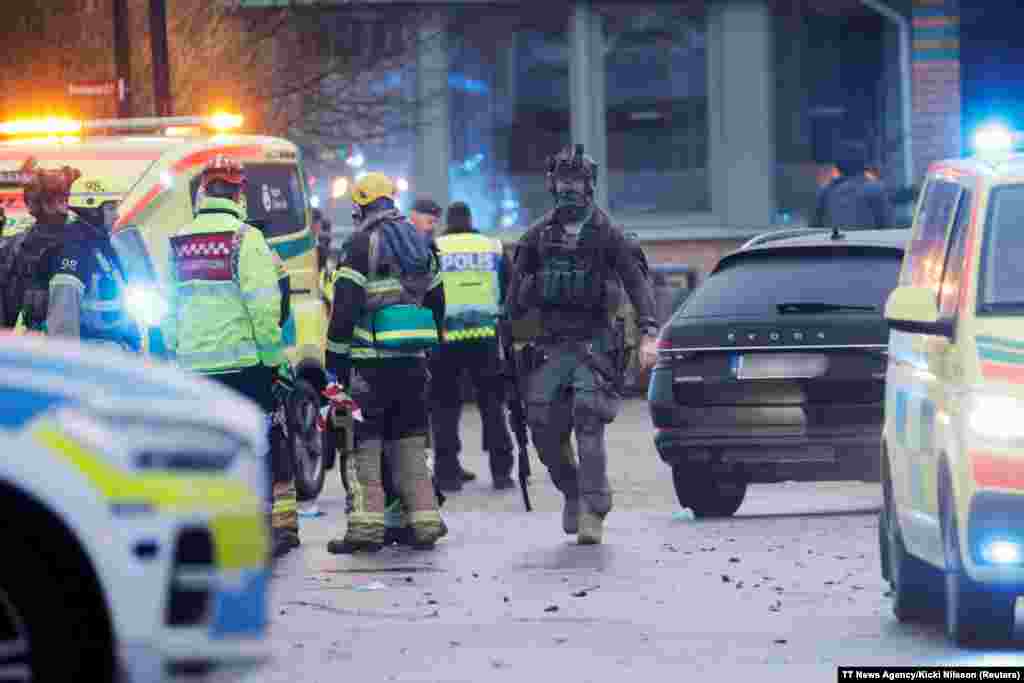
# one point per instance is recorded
(711, 120)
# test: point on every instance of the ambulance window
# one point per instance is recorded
(949, 292)
(274, 200)
(927, 254)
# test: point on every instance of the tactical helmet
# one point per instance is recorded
(371, 187)
(572, 162)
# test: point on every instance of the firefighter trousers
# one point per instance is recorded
(394, 427)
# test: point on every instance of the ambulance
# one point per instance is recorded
(951, 529)
(136, 541)
(158, 161)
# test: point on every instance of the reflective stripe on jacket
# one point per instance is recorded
(225, 300)
(471, 267)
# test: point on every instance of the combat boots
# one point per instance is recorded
(571, 516)
(591, 526)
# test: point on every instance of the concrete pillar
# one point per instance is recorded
(587, 89)
(741, 112)
(433, 136)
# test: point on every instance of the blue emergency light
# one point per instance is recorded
(995, 138)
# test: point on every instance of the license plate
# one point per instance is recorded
(779, 365)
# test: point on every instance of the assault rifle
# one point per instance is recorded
(517, 410)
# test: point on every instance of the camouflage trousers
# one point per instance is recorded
(567, 395)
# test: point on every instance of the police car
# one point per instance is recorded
(135, 532)
(952, 524)
(158, 161)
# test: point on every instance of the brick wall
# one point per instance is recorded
(699, 254)
(936, 82)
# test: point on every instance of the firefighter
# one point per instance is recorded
(225, 314)
(388, 309)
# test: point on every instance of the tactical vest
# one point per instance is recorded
(24, 282)
(573, 271)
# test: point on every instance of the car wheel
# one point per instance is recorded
(50, 628)
(974, 614)
(915, 584)
(705, 495)
(306, 441)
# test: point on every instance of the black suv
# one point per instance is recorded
(774, 369)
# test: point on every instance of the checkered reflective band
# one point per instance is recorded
(203, 256)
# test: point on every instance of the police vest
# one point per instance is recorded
(470, 271)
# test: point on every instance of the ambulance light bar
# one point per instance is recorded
(172, 125)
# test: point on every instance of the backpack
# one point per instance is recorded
(398, 321)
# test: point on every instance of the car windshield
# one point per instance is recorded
(1002, 279)
(826, 280)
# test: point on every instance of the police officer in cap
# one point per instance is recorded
(572, 266)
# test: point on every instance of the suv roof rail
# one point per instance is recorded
(780, 235)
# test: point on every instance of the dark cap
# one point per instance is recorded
(459, 217)
(427, 206)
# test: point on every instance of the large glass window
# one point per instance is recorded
(509, 109)
(656, 97)
(835, 80)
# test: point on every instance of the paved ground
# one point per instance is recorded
(788, 590)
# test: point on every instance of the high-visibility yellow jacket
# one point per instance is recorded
(472, 273)
(225, 303)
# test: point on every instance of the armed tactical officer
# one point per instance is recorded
(572, 266)
(62, 276)
(388, 309)
(225, 318)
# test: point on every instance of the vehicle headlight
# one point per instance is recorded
(145, 304)
(997, 418)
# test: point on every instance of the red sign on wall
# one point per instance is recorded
(98, 89)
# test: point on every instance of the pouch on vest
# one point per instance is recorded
(572, 274)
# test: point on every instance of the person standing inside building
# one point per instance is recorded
(388, 308)
(425, 215)
(853, 200)
(473, 272)
(572, 266)
(224, 318)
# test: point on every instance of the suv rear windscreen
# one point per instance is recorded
(753, 285)
(274, 199)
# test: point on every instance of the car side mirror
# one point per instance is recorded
(914, 309)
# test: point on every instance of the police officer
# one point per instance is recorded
(62, 276)
(473, 273)
(425, 215)
(387, 277)
(571, 266)
(224, 317)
